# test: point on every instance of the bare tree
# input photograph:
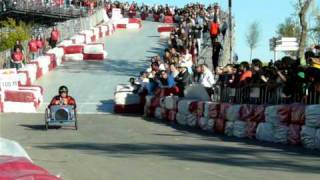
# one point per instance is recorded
(252, 37)
(303, 7)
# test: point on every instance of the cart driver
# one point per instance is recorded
(63, 98)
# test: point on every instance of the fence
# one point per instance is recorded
(266, 94)
(66, 28)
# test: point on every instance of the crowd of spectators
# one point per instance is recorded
(179, 66)
(37, 46)
(286, 79)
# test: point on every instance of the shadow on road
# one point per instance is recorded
(38, 127)
(231, 156)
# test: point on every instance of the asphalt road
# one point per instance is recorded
(121, 148)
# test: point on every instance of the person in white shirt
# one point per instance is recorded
(207, 79)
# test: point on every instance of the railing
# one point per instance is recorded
(67, 29)
(46, 9)
(264, 94)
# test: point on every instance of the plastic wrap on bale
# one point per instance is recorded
(183, 106)
(246, 111)
(211, 110)
(308, 135)
(312, 113)
(219, 125)
(181, 118)
(229, 128)
(191, 120)
(278, 114)
(281, 134)
(251, 129)
(233, 113)
(265, 132)
(294, 137)
(297, 114)
(239, 129)
(223, 110)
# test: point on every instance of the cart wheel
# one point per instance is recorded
(46, 119)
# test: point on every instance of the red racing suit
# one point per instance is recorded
(58, 100)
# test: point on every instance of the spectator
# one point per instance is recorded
(33, 48)
(216, 49)
(207, 79)
(173, 71)
(18, 45)
(165, 80)
(55, 37)
(183, 79)
(245, 73)
(224, 28)
(40, 45)
(197, 74)
(214, 31)
(16, 59)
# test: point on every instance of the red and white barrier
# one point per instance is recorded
(28, 74)
(73, 57)
(23, 100)
(95, 57)
(128, 23)
(165, 31)
(93, 48)
(96, 33)
(64, 43)
(89, 36)
(58, 52)
(73, 49)
(44, 62)
(125, 100)
(78, 39)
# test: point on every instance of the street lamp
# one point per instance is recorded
(230, 29)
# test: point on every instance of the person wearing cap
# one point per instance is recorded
(63, 98)
(183, 79)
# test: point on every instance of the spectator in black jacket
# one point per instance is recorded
(183, 79)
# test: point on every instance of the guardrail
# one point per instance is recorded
(264, 94)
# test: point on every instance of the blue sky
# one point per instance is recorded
(269, 14)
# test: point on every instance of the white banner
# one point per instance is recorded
(9, 79)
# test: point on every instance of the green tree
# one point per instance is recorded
(289, 28)
(252, 37)
(11, 31)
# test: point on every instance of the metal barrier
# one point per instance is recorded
(264, 94)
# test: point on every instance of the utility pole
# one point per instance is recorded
(230, 30)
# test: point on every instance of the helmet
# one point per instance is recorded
(63, 89)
